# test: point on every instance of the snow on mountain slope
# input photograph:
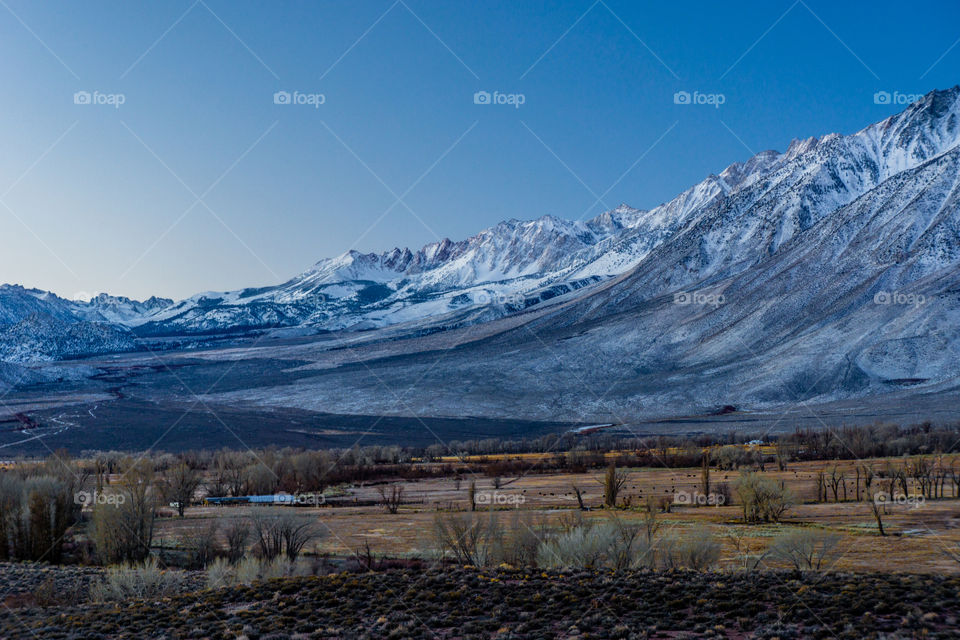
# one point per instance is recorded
(722, 227)
(764, 202)
(508, 267)
(858, 300)
(41, 326)
(499, 264)
(119, 309)
(42, 337)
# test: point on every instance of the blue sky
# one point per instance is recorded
(199, 181)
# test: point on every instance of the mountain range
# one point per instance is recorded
(830, 270)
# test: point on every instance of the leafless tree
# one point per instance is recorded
(806, 549)
(276, 533)
(579, 494)
(613, 482)
(762, 499)
(470, 538)
(123, 528)
(877, 508)
(237, 533)
(179, 484)
(391, 499)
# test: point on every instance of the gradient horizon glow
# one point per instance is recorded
(208, 177)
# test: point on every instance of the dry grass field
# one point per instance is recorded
(919, 534)
(378, 567)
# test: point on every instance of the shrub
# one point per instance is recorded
(471, 538)
(518, 547)
(220, 573)
(698, 550)
(585, 547)
(128, 581)
(762, 499)
(806, 549)
(250, 570)
(612, 545)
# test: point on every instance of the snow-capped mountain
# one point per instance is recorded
(718, 230)
(762, 202)
(44, 337)
(38, 325)
(831, 274)
(503, 269)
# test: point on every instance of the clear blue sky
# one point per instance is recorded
(99, 197)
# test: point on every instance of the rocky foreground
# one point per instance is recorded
(518, 604)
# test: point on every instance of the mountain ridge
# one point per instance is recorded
(718, 228)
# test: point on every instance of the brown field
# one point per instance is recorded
(917, 535)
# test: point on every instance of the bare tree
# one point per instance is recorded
(806, 549)
(470, 538)
(179, 484)
(297, 532)
(650, 523)
(782, 453)
(705, 474)
(836, 479)
(613, 482)
(876, 507)
(762, 499)
(123, 527)
(237, 533)
(204, 545)
(392, 499)
(745, 560)
(276, 533)
(577, 492)
(267, 538)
